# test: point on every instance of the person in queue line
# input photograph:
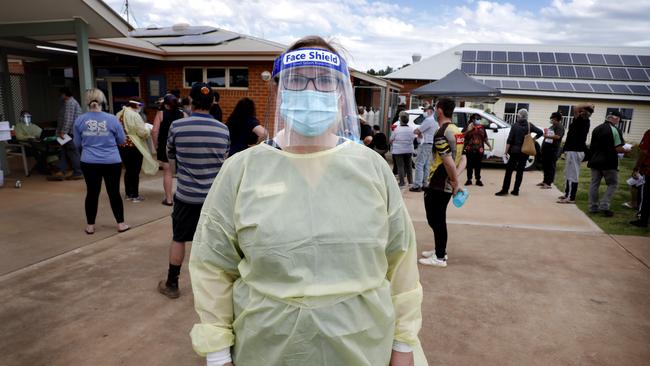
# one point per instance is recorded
(575, 147)
(295, 261)
(402, 150)
(68, 113)
(516, 158)
(215, 109)
(642, 169)
(449, 161)
(475, 141)
(379, 141)
(365, 129)
(551, 149)
(169, 112)
(425, 132)
(97, 135)
(606, 143)
(200, 145)
(135, 150)
(245, 129)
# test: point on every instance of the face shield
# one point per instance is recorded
(314, 102)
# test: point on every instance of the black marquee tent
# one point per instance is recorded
(457, 84)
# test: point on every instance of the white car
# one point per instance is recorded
(497, 131)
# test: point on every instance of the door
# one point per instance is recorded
(120, 91)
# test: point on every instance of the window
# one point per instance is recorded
(192, 75)
(216, 77)
(626, 118)
(510, 111)
(58, 75)
(416, 102)
(567, 114)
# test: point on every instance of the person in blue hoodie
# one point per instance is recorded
(97, 135)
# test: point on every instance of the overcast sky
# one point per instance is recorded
(381, 33)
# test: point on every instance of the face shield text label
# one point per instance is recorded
(314, 57)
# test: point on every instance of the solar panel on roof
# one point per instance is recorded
(469, 56)
(533, 70)
(630, 60)
(602, 73)
(515, 70)
(499, 69)
(499, 56)
(613, 60)
(620, 88)
(531, 57)
(584, 72)
(645, 60)
(637, 74)
(493, 83)
(563, 86)
(468, 67)
(484, 56)
(484, 69)
(515, 57)
(547, 57)
(596, 59)
(199, 40)
(527, 85)
(171, 31)
(567, 71)
(619, 73)
(601, 88)
(582, 87)
(510, 84)
(545, 85)
(562, 58)
(638, 89)
(550, 71)
(579, 58)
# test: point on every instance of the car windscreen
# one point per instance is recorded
(419, 119)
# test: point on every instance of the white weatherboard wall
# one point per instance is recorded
(541, 109)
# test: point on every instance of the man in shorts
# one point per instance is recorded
(200, 144)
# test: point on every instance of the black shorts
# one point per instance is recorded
(185, 217)
(161, 153)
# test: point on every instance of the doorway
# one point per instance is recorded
(118, 91)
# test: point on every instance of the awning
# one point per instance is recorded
(457, 84)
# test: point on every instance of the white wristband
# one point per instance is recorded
(401, 347)
(218, 358)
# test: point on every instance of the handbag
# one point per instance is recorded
(528, 147)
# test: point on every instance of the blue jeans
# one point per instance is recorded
(70, 152)
(422, 165)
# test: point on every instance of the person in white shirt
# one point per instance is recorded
(425, 132)
(402, 143)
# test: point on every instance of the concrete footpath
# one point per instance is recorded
(529, 282)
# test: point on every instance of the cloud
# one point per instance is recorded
(381, 33)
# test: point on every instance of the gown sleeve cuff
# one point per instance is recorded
(400, 347)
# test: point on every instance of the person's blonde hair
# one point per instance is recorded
(95, 98)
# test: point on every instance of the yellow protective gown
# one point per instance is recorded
(306, 259)
(138, 133)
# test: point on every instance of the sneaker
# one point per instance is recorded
(468, 182)
(435, 262)
(607, 213)
(639, 223)
(566, 200)
(628, 205)
(137, 199)
(415, 189)
(546, 186)
(501, 193)
(479, 183)
(431, 253)
(515, 193)
(170, 291)
(541, 184)
(562, 197)
(58, 176)
(128, 198)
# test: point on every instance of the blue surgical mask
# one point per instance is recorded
(309, 112)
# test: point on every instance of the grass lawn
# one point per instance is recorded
(618, 224)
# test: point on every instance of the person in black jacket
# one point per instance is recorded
(517, 159)
(575, 147)
(215, 109)
(606, 143)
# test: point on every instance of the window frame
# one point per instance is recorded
(625, 124)
(226, 76)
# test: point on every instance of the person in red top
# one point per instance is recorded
(642, 167)
(475, 140)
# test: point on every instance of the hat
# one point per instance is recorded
(615, 113)
(202, 92)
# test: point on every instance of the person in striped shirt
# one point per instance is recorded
(200, 144)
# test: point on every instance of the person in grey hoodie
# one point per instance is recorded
(517, 159)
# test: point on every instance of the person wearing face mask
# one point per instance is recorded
(425, 131)
(475, 140)
(550, 148)
(134, 151)
(305, 253)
